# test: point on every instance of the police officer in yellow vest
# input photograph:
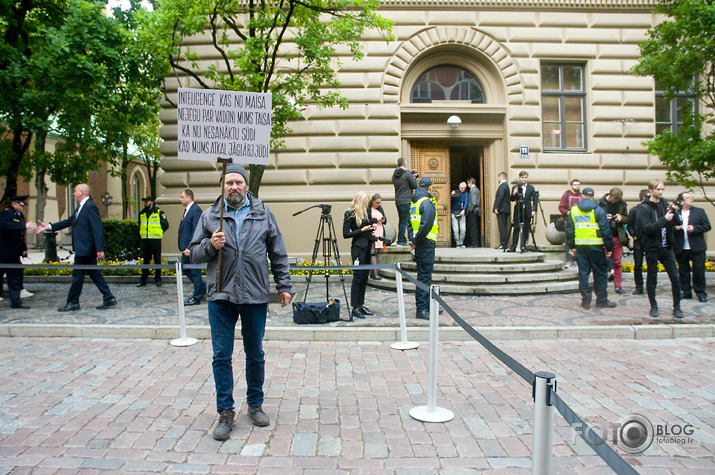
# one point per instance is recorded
(588, 232)
(423, 217)
(152, 224)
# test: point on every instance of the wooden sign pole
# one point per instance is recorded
(225, 162)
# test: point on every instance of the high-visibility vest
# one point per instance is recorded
(150, 226)
(586, 229)
(415, 218)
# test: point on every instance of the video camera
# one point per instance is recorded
(415, 175)
(385, 239)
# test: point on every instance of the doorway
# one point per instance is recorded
(466, 161)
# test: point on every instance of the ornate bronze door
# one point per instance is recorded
(432, 160)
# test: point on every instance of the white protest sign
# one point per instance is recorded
(224, 124)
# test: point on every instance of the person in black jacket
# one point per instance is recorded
(655, 226)
(423, 214)
(405, 184)
(358, 227)
(637, 247)
(189, 221)
(502, 210)
(12, 237)
(88, 244)
(690, 246)
(617, 213)
(525, 208)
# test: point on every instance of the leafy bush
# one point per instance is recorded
(121, 239)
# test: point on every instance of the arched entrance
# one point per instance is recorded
(455, 80)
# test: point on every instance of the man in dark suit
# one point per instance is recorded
(12, 237)
(690, 246)
(189, 221)
(502, 210)
(525, 208)
(88, 244)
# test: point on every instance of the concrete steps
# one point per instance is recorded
(480, 271)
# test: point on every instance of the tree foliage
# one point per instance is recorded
(285, 47)
(679, 54)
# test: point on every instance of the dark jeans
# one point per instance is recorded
(424, 257)
(638, 264)
(666, 257)
(403, 214)
(698, 272)
(473, 230)
(503, 223)
(360, 256)
(151, 249)
(592, 258)
(223, 316)
(194, 276)
(78, 280)
(14, 280)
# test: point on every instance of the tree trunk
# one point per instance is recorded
(255, 178)
(40, 141)
(19, 147)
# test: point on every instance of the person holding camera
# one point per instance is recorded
(656, 226)
(358, 227)
(617, 214)
(375, 211)
(690, 246)
(405, 183)
(525, 208)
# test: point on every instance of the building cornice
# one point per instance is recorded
(640, 5)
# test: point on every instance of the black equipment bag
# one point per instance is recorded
(320, 312)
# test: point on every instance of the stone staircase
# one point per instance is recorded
(483, 271)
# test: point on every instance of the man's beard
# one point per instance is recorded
(234, 200)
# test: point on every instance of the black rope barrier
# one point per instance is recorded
(603, 450)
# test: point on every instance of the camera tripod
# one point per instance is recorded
(521, 206)
(325, 239)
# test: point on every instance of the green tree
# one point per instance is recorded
(286, 48)
(679, 54)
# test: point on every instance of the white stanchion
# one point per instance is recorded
(403, 344)
(430, 412)
(542, 445)
(184, 340)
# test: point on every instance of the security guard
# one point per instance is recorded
(423, 217)
(12, 237)
(152, 225)
(587, 234)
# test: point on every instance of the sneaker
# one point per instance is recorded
(620, 291)
(585, 305)
(654, 312)
(225, 424)
(677, 313)
(606, 304)
(638, 292)
(25, 294)
(259, 417)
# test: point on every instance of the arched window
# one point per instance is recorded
(447, 83)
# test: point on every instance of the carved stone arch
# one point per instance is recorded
(459, 40)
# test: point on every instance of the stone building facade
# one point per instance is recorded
(539, 86)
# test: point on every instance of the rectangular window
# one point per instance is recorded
(669, 113)
(563, 107)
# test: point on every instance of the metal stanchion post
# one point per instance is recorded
(184, 340)
(542, 445)
(430, 412)
(403, 344)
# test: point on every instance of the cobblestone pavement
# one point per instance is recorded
(153, 305)
(102, 405)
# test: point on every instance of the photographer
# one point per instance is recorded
(405, 184)
(527, 202)
(358, 227)
(375, 211)
(617, 213)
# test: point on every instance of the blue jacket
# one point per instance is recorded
(188, 225)
(87, 230)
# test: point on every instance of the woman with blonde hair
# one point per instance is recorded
(358, 227)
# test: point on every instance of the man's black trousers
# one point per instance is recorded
(151, 249)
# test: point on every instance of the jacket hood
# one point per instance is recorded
(587, 204)
(399, 171)
(419, 193)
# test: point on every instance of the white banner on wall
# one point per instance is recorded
(224, 124)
